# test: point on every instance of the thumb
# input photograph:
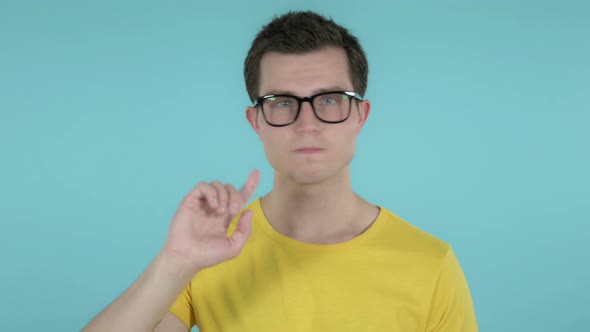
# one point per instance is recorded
(242, 232)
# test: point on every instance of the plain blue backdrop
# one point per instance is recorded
(111, 111)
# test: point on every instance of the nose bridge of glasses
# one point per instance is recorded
(306, 114)
(306, 100)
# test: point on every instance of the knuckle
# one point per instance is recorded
(223, 192)
(233, 204)
(208, 187)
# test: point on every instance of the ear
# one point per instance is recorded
(252, 117)
(364, 108)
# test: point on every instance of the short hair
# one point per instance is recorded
(299, 32)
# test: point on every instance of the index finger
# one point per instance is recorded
(250, 186)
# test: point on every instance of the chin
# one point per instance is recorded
(311, 174)
(308, 173)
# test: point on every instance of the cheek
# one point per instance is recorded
(347, 140)
(348, 148)
(274, 148)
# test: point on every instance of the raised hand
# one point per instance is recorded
(197, 233)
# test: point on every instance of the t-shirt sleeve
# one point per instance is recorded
(183, 308)
(451, 307)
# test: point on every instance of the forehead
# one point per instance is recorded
(303, 74)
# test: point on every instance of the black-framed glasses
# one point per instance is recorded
(281, 110)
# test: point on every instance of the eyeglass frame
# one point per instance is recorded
(300, 100)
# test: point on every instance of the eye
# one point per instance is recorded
(280, 102)
(284, 103)
(329, 99)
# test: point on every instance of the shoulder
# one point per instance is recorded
(406, 237)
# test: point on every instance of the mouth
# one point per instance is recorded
(309, 150)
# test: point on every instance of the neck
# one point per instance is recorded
(323, 212)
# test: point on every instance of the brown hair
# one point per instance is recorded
(299, 32)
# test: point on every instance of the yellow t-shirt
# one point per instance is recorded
(393, 277)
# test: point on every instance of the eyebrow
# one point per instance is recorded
(287, 92)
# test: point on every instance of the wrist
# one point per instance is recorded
(176, 266)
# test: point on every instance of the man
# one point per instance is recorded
(311, 255)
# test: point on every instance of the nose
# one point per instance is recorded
(307, 121)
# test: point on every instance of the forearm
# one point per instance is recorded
(148, 298)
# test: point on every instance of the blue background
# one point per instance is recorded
(111, 111)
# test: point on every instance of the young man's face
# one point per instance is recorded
(304, 75)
